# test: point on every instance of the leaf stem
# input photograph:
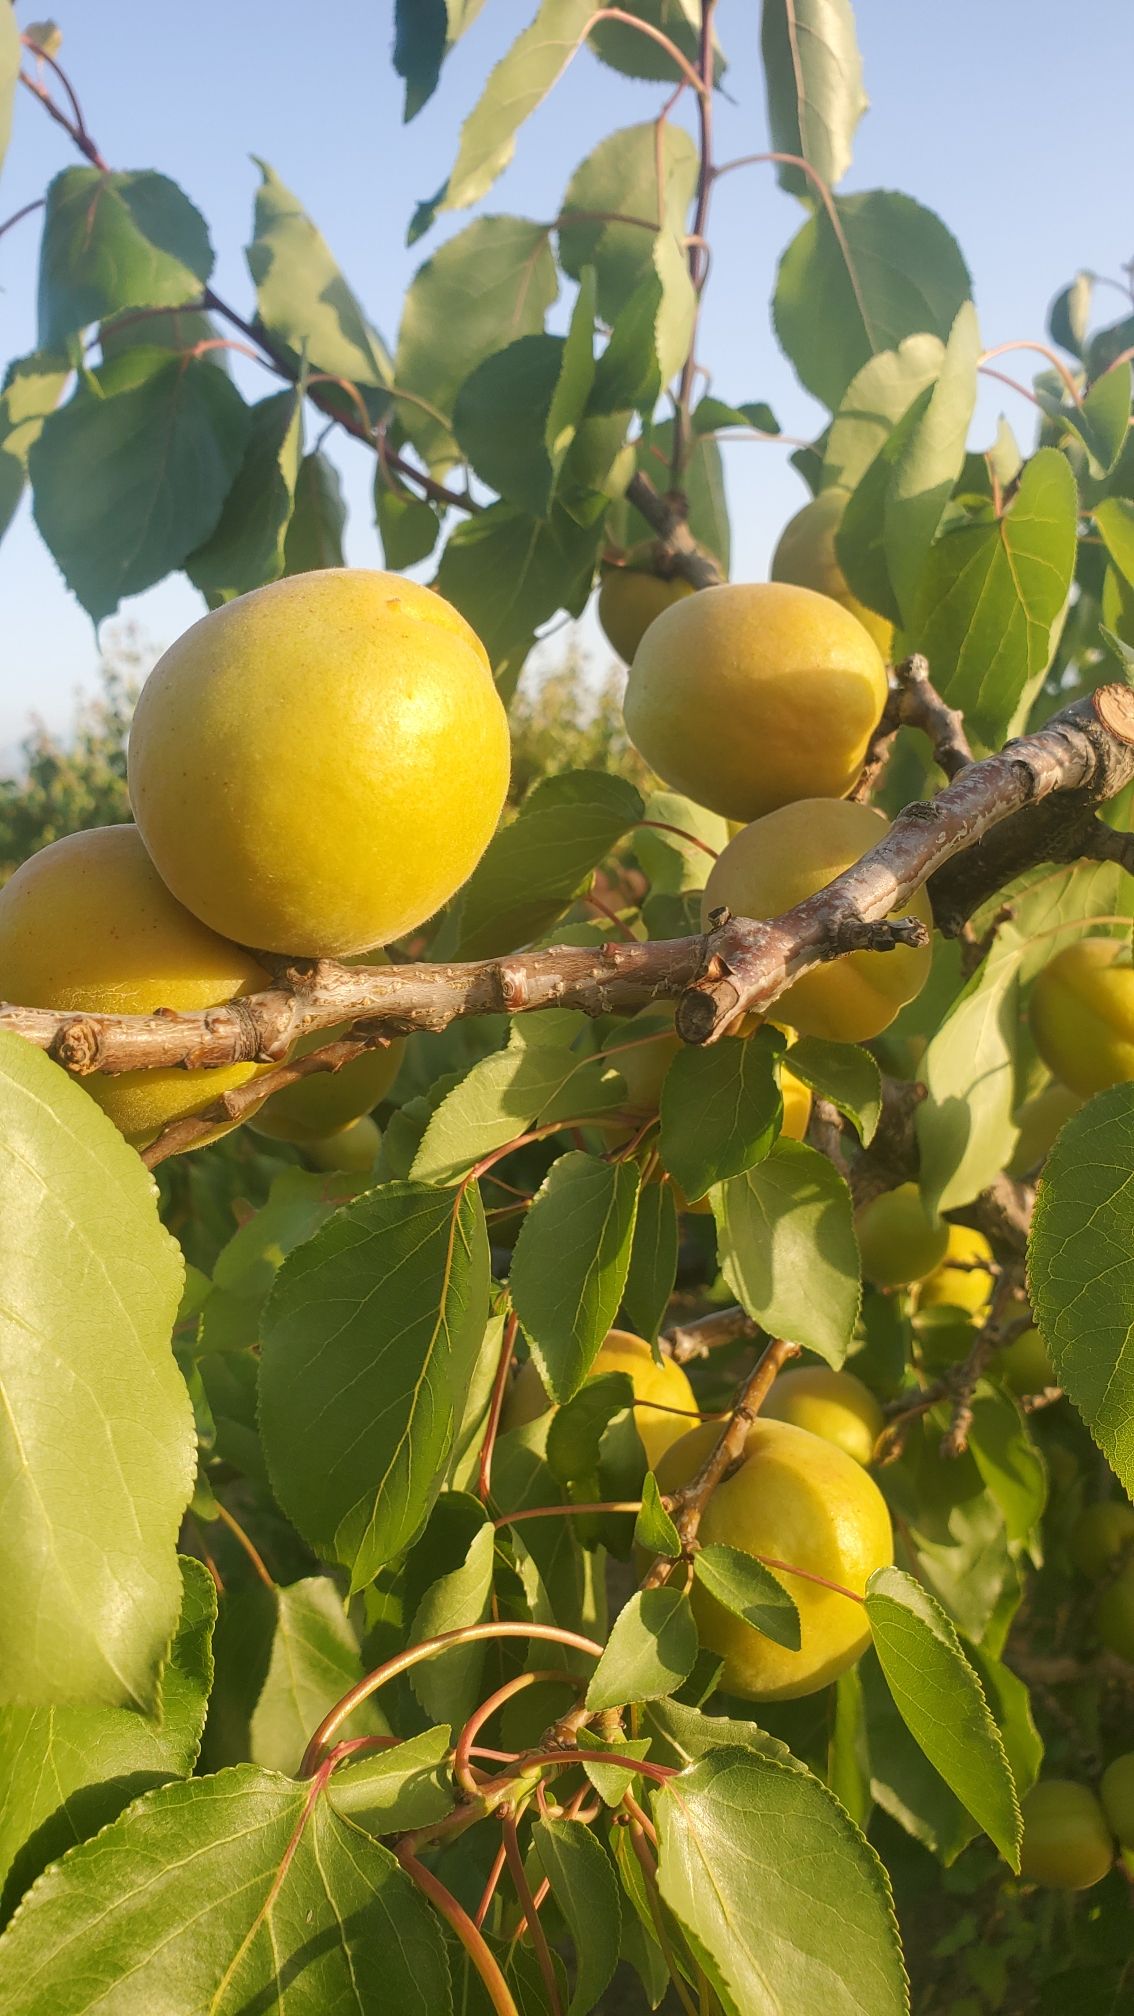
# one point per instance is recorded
(253, 1553)
(529, 1908)
(462, 1749)
(470, 1935)
(495, 1409)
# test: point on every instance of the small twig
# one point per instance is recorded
(495, 1409)
(18, 216)
(470, 1935)
(531, 1915)
(697, 1338)
(239, 1535)
(686, 1506)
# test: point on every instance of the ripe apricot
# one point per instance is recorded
(898, 1240)
(833, 1405)
(1082, 1014)
(628, 602)
(318, 766)
(89, 923)
(751, 695)
(1067, 1844)
(657, 1387)
(1039, 1121)
(965, 1277)
(806, 556)
(798, 1499)
(789, 855)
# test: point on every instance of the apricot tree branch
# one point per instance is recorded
(686, 1507)
(666, 516)
(697, 1338)
(914, 702)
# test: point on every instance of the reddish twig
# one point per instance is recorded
(495, 1409)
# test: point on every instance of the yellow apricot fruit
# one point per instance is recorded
(1102, 1537)
(751, 695)
(836, 1406)
(1024, 1366)
(351, 1148)
(806, 556)
(797, 1499)
(318, 766)
(1067, 1843)
(642, 1051)
(1082, 1014)
(89, 923)
(628, 602)
(1116, 1792)
(1039, 1121)
(789, 855)
(898, 1240)
(656, 1387)
(965, 1277)
(1115, 1614)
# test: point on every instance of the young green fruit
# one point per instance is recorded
(318, 766)
(628, 602)
(806, 556)
(1024, 1366)
(799, 1500)
(1082, 1014)
(965, 1277)
(1115, 1614)
(352, 1149)
(833, 1405)
(1067, 1843)
(1116, 1792)
(789, 855)
(1039, 1121)
(88, 923)
(657, 1388)
(1102, 1536)
(751, 695)
(898, 1240)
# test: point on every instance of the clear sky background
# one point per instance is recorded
(1010, 118)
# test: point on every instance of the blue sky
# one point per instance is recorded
(1008, 117)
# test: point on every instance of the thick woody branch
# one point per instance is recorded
(667, 517)
(995, 819)
(998, 817)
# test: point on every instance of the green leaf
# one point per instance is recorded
(284, 1656)
(651, 1649)
(776, 1929)
(510, 407)
(585, 1890)
(508, 573)
(1106, 417)
(650, 337)
(617, 181)
(965, 1128)
(208, 1895)
(710, 414)
(844, 1074)
(392, 1790)
(447, 1685)
(1114, 517)
(519, 82)
(424, 33)
(873, 403)
(611, 1781)
(942, 1703)
(900, 274)
(116, 241)
(68, 1771)
(993, 593)
(627, 50)
(903, 1782)
(569, 1264)
(749, 1590)
(492, 283)
(653, 1261)
(302, 298)
(577, 1429)
(860, 537)
(98, 1419)
(314, 537)
(408, 527)
(813, 77)
(247, 547)
(538, 864)
(506, 1092)
(1008, 1460)
(10, 53)
(1081, 1270)
(128, 484)
(788, 1250)
(848, 1766)
(31, 391)
(298, 1202)
(1069, 316)
(682, 1735)
(930, 463)
(720, 1110)
(372, 1331)
(654, 1530)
